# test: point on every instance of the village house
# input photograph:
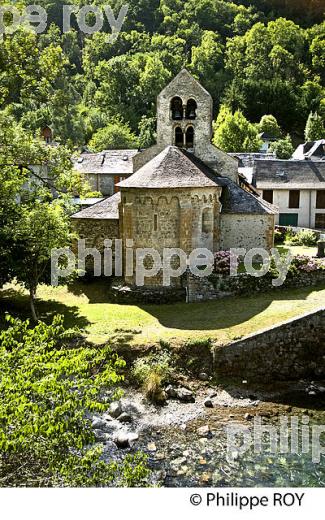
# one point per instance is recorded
(184, 192)
(106, 169)
(297, 188)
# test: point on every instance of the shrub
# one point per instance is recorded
(304, 238)
(152, 372)
(48, 386)
(306, 264)
(222, 262)
(280, 234)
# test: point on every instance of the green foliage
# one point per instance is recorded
(116, 135)
(48, 386)
(31, 229)
(269, 125)
(147, 131)
(151, 372)
(315, 128)
(283, 148)
(257, 56)
(235, 133)
(303, 238)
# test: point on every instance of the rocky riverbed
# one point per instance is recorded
(186, 440)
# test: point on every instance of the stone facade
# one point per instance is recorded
(292, 350)
(94, 236)
(103, 184)
(187, 89)
(246, 231)
(184, 218)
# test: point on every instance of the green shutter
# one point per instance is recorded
(288, 219)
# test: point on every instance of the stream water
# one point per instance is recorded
(186, 444)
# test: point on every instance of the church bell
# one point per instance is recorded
(178, 114)
(192, 114)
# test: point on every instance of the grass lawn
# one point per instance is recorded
(297, 250)
(85, 305)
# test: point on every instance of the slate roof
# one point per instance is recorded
(314, 150)
(173, 168)
(235, 199)
(279, 174)
(107, 209)
(112, 162)
(176, 168)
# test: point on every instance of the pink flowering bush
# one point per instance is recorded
(307, 264)
(222, 262)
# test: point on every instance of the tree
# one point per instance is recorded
(43, 226)
(283, 148)
(315, 128)
(147, 131)
(116, 135)
(34, 206)
(207, 62)
(269, 125)
(236, 134)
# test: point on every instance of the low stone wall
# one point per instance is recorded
(220, 286)
(292, 350)
(121, 293)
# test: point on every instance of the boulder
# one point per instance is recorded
(205, 432)
(99, 424)
(124, 418)
(185, 395)
(208, 403)
(203, 376)
(122, 440)
(115, 409)
(101, 436)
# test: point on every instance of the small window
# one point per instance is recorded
(179, 139)
(288, 219)
(268, 196)
(190, 137)
(155, 222)
(320, 200)
(294, 199)
(177, 108)
(320, 221)
(191, 108)
(207, 220)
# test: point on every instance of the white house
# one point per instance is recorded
(297, 188)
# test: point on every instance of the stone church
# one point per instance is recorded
(183, 192)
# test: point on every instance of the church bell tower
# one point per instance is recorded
(184, 113)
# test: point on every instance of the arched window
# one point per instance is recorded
(207, 220)
(177, 108)
(179, 139)
(190, 137)
(191, 108)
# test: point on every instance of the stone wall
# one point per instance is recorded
(216, 286)
(292, 350)
(179, 218)
(102, 183)
(248, 231)
(94, 233)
